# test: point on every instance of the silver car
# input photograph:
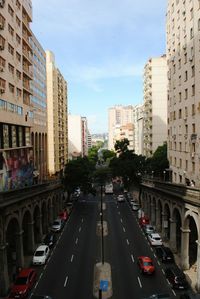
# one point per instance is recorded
(148, 229)
(57, 225)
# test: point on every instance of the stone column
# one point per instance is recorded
(158, 220)
(4, 278)
(164, 226)
(173, 235)
(31, 240)
(19, 249)
(184, 248)
(153, 216)
(51, 218)
(198, 266)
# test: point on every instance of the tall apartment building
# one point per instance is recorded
(16, 113)
(183, 54)
(155, 104)
(120, 125)
(78, 136)
(57, 116)
(39, 103)
(138, 126)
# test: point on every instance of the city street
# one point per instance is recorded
(69, 271)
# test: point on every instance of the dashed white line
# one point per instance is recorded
(121, 220)
(66, 280)
(132, 258)
(173, 292)
(76, 241)
(72, 257)
(163, 271)
(127, 241)
(154, 255)
(119, 212)
(139, 282)
(158, 263)
(82, 220)
(124, 229)
(79, 229)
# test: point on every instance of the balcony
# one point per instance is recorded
(26, 39)
(28, 72)
(28, 55)
(2, 22)
(193, 137)
(27, 88)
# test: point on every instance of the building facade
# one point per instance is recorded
(120, 125)
(39, 103)
(57, 117)
(155, 104)
(138, 126)
(183, 54)
(16, 113)
(78, 136)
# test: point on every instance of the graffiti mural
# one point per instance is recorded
(16, 169)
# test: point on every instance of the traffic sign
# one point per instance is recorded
(104, 285)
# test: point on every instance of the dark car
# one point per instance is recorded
(176, 277)
(164, 254)
(159, 296)
(190, 296)
(50, 239)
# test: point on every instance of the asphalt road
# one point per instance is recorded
(69, 271)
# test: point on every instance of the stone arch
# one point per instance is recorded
(176, 224)
(13, 249)
(191, 226)
(28, 238)
(159, 211)
(166, 221)
(44, 218)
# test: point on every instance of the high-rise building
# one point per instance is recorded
(57, 116)
(39, 103)
(89, 139)
(16, 111)
(183, 53)
(78, 136)
(120, 125)
(138, 126)
(155, 104)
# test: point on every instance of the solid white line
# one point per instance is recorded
(132, 258)
(127, 241)
(36, 285)
(168, 282)
(121, 220)
(40, 276)
(79, 229)
(173, 292)
(72, 258)
(76, 240)
(66, 280)
(124, 229)
(119, 213)
(139, 282)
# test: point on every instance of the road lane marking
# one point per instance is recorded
(76, 241)
(154, 255)
(119, 213)
(127, 241)
(72, 257)
(158, 263)
(121, 220)
(66, 280)
(139, 282)
(173, 292)
(168, 282)
(132, 258)
(82, 220)
(79, 229)
(124, 229)
(163, 271)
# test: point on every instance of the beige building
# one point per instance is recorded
(183, 54)
(16, 115)
(78, 136)
(155, 104)
(138, 128)
(39, 103)
(57, 116)
(120, 123)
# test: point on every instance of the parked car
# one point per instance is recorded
(164, 254)
(120, 198)
(146, 265)
(143, 220)
(154, 239)
(23, 283)
(148, 229)
(40, 297)
(176, 278)
(63, 215)
(190, 296)
(135, 206)
(159, 296)
(50, 239)
(41, 255)
(57, 225)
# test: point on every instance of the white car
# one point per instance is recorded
(41, 255)
(135, 206)
(120, 198)
(155, 239)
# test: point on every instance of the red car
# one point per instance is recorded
(23, 284)
(63, 215)
(146, 265)
(144, 220)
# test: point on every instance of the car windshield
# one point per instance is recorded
(156, 238)
(148, 264)
(21, 280)
(39, 253)
(56, 223)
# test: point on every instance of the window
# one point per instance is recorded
(179, 80)
(180, 146)
(180, 163)
(186, 164)
(10, 10)
(10, 49)
(10, 30)
(179, 96)
(18, 22)
(193, 129)
(193, 109)
(180, 114)
(2, 42)
(193, 70)
(193, 89)
(19, 93)
(11, 68)
(179, 63)
(175, 145)
(174, 115)
(191, 13)
(18, 39)
(18, 56)
(186, 129)
(18, 4)
(186, 94)
(11, 88)
(186, 75)
(191, 33)
(18, 74)
(185, 58)
(193, 166)
(186, 112)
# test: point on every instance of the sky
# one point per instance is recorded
(101, 47)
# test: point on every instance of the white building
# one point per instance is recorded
(155, 104)
(183, 55)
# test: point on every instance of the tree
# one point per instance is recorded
(121, 146)
(107, 155)
(159, 162)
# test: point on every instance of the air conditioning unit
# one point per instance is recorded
(184, 47)
(2, 90)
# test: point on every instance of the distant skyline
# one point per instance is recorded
(101, 48)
